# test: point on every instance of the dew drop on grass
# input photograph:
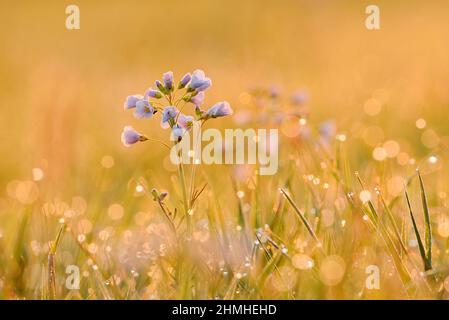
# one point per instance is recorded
(365, 196)
(413, 243)
(433, 159)
(302, 261)
(341, 137)
(81, 238)
(332, 270)
(115, 211)
(107, 162)
(38, 174)
(379, 154)
(420, 123)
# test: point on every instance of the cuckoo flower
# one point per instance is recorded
(190, 88)
(151, 93)
(184, 121)
(198, 99)
(177, 132)
(274, 91)
(168, 80)
(220, 109)
(143, 109)
(169, 115)
(184, 81)
(199, 81)
(131, 136)
(131, 101)
(300, 97)
(160, 86)
(327, 129)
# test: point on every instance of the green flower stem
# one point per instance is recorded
(182, 181)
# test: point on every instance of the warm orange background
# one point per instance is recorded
(61, 91)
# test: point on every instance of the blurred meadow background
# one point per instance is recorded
(372, 102)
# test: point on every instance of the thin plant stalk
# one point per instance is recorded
(51, 264)
(428, 234)
(393, 223)
(182, 181)
(300, 215)
(422, 251)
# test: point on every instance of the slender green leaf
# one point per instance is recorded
(428, 234)
(418, 236)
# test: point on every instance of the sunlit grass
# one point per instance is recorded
(362, 177)
(308, 232)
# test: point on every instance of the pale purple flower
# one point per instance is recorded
(143, 109)
(184, 81)
(151, 93)
(168, 116)
(300, 97)
(131, 136)
(168, 80)
(177, 132)
(327, 129)
(184, 121)
(199, 81)
(220, 109)
(197, 99)
(274, 91)
(169, 113)
(131, 101)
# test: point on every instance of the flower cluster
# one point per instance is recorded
(270, 106)
(170, 99)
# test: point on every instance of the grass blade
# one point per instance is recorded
(51, 264)
(428, 234)
(418, 236)
(393, 223)
(301, 216)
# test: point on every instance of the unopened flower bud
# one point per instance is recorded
(153, 94)
(163, 195)
(221, 109)
(161, 87)
(168, 80)
(131, 136)
(184, 81)
(131, 101)
(155, 194)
